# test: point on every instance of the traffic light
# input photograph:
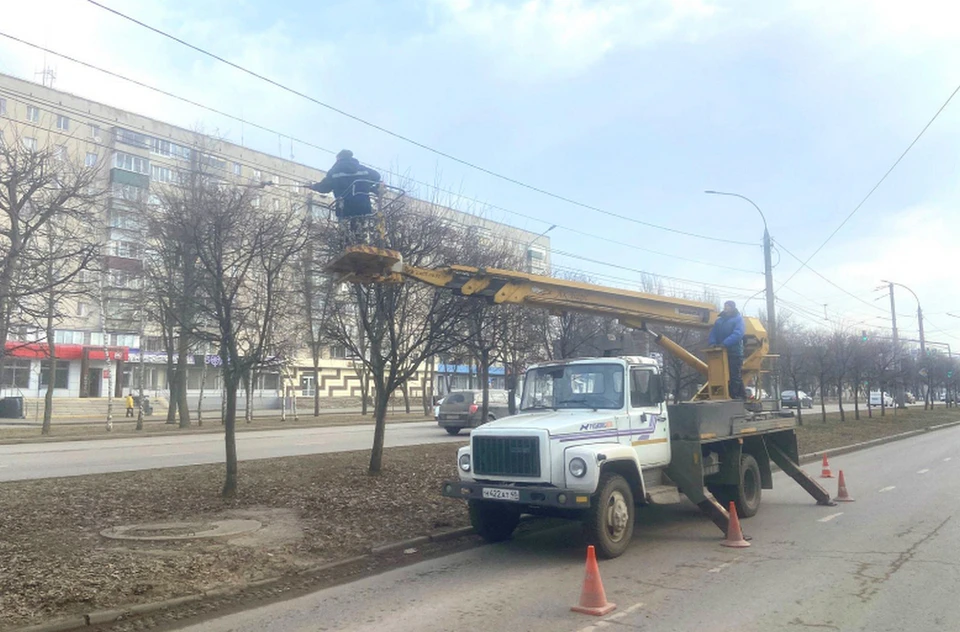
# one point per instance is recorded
(863, 335)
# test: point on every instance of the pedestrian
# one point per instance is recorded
(728, 332)
(352, 184)
(129, 401)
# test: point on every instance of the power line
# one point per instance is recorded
(407, 139)
(331, 152)
(803, 264)
(876, 186)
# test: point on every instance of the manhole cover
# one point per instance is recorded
(181, 530)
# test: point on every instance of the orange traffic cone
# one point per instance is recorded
(842, 495)
(826, 473)
(734, 534)
(592, 598)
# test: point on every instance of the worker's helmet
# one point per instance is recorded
(344, 153)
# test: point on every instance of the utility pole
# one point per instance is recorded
(768, 273)
(896, 346)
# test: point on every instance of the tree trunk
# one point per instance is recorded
(796, 389)
(840, 400)
(823, 403)
(381, 401)
(485, 384)
(364, 390)
(171, 388)
(230, 438)
(52, 371)
(203, 386)
(181, 402)
(316, 384)
(248, 388)
(856, 399)
(427, 386)
(883, 401)
(405, 389)
(281, 388)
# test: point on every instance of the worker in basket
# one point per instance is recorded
(728, 332)
(352, 184)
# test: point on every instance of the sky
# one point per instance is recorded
(631, 107)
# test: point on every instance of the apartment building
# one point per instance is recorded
(138, 154)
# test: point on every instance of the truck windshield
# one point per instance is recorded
(590, 386)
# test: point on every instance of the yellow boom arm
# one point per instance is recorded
(368, 264)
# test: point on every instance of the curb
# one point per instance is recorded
(97, 617)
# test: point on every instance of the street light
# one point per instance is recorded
(767, 268)
(923, 344)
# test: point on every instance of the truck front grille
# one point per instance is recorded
(506, 456)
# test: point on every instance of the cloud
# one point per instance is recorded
(539, 39)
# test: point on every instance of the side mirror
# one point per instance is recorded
(656, 388)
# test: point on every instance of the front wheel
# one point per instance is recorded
(493, 521)
(609, 522)
(452, 430)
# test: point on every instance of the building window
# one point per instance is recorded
(124, 220)
(126, 340)
(129, 137)
(91, 159)
(124, 280)
(536, 260)
(127, 192)
(267, 382)
(256, 175)
(83, 309)
(276, 204)
(60, 152)
(129, 162)
(3, 107)
(96, 338)
(66, 337)
(338, 352)
(33, 114)
(162, 174)
(237, 169)
(61, 376)
(63, 123)
(256, 202)
(30, 143)
(16, 374)
(95, 132)
(126, 249)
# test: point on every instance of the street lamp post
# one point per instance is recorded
(767, 270)
(923, 344)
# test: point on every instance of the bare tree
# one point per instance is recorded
(843, 348)
(795, 361)
(402, 324)
(244, 276)
(47, 241)
(823, 364)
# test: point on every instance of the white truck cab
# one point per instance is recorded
(583, 424)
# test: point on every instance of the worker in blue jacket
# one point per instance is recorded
(728, 331)
(352, 184)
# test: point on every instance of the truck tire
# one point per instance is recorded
(608, 524)
(493, 521)
(747, 494)
(452, 430)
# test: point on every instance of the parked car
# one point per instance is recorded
(461, 409)
(795, 399)
(875, 399)
(909, 398)
(751, 393)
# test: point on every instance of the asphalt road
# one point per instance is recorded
(888, 562)
(74, 458)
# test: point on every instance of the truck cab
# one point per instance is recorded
(592, 437)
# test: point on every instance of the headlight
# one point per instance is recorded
(578, 467)
(465, 462)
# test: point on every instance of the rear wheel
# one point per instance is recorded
(452, 430)
(746, 495)
(494, 522)
(609, 522)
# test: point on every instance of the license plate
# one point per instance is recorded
(501, 494)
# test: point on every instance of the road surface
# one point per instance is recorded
(888, 562)
(74, 458)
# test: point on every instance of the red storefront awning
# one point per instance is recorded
(40, 350)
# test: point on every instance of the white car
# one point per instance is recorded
(875, 400)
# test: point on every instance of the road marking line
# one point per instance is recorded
(947, 459)
(614, 617)
(162, 454)
(830, 517)
(719, 568)
(887, 489)
(635, 606)
(923, 471)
